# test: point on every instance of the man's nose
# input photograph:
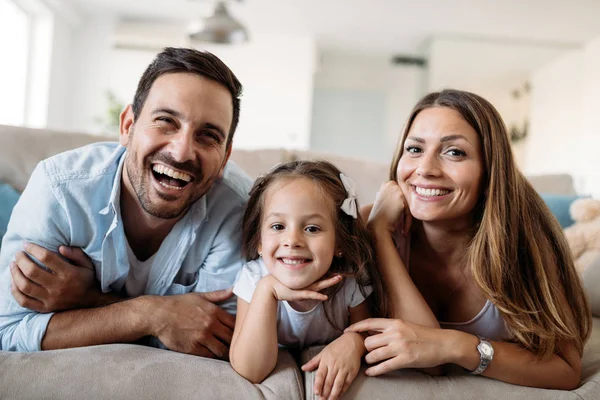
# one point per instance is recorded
(182, 145)
(429, 165)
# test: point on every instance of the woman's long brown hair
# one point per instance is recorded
(518, 255)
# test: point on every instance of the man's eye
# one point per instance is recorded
(277, 227)
(312, 229)
(165, 120)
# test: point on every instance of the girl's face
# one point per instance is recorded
(297, 232)
(441, 169)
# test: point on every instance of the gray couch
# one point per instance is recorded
(132, 371)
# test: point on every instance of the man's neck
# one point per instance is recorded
(144, 232)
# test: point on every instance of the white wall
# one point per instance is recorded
(565, 123)
(277, 74)
(491, 69)
(361, 104)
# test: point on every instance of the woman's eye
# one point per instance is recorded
(277, 227)
(412, 149)
(456, 153)
(312, 229)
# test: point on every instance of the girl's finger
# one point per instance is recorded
(307, 295)
(320, 379)
(338, 386)
(312, 364)
(325, 283)
(331, 375)
(383, 368)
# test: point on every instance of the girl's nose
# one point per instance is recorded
(293, 239)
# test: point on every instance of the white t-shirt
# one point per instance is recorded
(303, 328)
(139, 271)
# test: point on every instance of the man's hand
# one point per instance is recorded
(63, 287)
(191, 323)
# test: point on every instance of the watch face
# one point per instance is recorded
(486, 349)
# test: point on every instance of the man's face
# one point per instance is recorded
(177, 146)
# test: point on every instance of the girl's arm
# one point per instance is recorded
(254, 350)
(399, 344)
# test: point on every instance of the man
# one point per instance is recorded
(158, 215)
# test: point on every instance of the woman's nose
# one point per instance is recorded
(429, 166)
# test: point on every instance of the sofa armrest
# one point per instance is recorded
(126, 371)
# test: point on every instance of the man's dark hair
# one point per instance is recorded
(172, 60)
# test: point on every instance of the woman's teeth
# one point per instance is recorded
(430, 192)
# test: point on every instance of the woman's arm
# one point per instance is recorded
(253, 352)
(406, 301)
(514, 364)
(399, 344)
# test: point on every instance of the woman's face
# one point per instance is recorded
(441, 169)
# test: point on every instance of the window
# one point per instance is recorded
(14, 50)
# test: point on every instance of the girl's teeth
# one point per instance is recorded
(292, 262)
(431, 192)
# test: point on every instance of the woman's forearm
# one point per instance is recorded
(514, 364)
(254, 350)
(406, 301)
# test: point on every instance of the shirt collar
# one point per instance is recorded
(115, 194)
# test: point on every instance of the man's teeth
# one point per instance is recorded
(431, 192)
(295, 261)
(161, 169)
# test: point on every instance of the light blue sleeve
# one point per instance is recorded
(224, 262)
(38, 217)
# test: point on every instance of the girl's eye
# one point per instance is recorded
(456, 153)
(312, 229)
(412, 149)
(277, 227)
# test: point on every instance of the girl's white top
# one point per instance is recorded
(303, 328)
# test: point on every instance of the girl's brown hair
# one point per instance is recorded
(518, 255)
(352, 237)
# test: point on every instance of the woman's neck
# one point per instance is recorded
(443, 241)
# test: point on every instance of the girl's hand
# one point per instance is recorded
(390, 210)
(282, 292)
(338, 364)
(397, 344)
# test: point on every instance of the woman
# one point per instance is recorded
(467, 247)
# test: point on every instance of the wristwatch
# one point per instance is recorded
(486, 354)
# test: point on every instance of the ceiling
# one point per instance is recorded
(385, 26)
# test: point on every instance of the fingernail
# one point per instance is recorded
(12, 264)
(24, 245)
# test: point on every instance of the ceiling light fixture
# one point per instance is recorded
(221, 28)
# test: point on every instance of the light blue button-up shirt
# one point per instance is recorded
(73, 199)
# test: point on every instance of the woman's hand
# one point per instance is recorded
(312, 292)
(396, 344)
(338, 364)
(390, 210)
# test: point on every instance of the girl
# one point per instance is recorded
(478, 271)
(311, 262)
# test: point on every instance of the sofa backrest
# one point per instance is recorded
(22, 148)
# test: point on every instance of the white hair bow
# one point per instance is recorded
(349, 204)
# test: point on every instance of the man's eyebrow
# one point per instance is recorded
(170, 111)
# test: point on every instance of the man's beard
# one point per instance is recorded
(136, 178)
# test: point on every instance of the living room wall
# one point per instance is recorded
(565, 123)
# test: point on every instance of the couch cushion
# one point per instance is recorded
(124, 371)
(591, 281)
(22, 148)
(560, 205)
(8, 199)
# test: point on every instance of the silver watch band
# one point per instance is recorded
(486, 354)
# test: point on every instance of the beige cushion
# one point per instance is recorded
(21, 149)
(124, 371)
(591, 281)
(553, 184)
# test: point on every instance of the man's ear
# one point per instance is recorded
(225, 161)
(126, 121)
